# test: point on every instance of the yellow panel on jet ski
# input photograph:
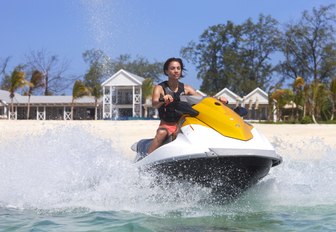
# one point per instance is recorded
(214, 114)
(191, 120)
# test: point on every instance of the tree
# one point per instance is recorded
(79, 90)
(101, 61)
(139, 66)
(281, 97)
(235, 56)
(321, 104)
(147, 90)
(108, 66)
(93, 81)
(333, 98)
(3, 66)
(99, 66)
(36, 81)
(17, 80)
(53, 70)
(5, 80)
(259, 41)
(324, 103)
(298, 86)
(309, 46)
(215, 56)
(315, 97)
(309, 50)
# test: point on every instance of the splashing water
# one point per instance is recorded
(111, 21)
(68, 168)
(75, 178)
(307, 173)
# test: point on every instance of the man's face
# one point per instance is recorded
(174, 70)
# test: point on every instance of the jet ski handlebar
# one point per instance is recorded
(190, 99)
(184, 105)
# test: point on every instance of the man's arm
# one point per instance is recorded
(157, 92)
(158, 97)
(190, 90)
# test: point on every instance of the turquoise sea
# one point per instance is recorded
(69, 180)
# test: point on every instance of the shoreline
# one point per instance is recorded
(128, 132)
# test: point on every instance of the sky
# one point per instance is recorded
(153, 29)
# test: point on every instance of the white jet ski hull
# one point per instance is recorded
(203, 156)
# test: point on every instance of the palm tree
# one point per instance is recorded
(36, 81)
(317, 97)
(92, 80)
(333, 98)
(147, 90)
(323, 102)
(79, 90)
(96, 92)
(306, 100)
(17, 80)
(298, 86)
(282, 97)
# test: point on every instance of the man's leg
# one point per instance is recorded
(161, 135)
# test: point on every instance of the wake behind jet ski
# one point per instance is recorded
(214, 147)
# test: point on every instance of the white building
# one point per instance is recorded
(122, 99)
(234, 99)
(122, 95)
(45, 107)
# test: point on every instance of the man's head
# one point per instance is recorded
(169, 61)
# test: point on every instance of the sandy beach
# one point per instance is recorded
(124, 133)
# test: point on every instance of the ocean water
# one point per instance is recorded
(67, 179)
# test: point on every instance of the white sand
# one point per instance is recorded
(125, 133)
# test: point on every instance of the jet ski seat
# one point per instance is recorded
(142, 146)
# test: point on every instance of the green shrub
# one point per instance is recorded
(306, 120)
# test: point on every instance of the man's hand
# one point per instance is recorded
(223, 100)
(168, 99)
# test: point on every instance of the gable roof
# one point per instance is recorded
(257, 94)
(123, 78)
(229, 95)
(200, 92)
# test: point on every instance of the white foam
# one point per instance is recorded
(69, 168)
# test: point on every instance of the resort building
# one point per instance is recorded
(122, 95)
(122, 99)
(256, 102)
(45, 107)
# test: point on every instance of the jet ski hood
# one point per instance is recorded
(215, 115)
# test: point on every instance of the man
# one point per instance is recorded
(164, 99)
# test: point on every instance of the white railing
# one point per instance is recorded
(12, 115)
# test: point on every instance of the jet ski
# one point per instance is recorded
(214, 147)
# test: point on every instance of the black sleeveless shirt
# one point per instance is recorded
(167, 112)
